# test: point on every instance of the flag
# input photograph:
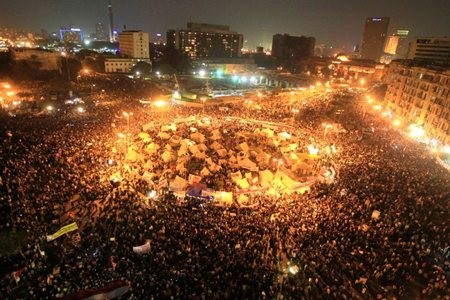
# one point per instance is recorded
(143, 248)
(63, 230)
(113, 289)
(16, 274)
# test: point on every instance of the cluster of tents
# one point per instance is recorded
(256, 159)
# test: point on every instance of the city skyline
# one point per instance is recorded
(337, 23)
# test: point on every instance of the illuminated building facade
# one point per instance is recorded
(374, 37)
(420, 94)
(134, 44)
(71, 35)
(431, 50)
(206, 40)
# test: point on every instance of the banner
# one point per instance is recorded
(143, 248)
(63, 230)
(111, 290)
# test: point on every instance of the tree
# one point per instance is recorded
(142, 67)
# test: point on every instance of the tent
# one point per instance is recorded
(284, 136)
(236, 176)
(151, 148)
(145, 137)
(163, 135)
(222, 152)
(175, 140)
(215, 135)
(267, 132)
(169, 127)
(166, 156)
(243, 147)
(247, 164)
(198, 137)
(148, 165)
(223, 198)
(202, 147)
(181, 169)
(132, 155)
(265, 178)
(205, 172)
(148, 126)
(243, 183)
(216, 146)
(178, 184)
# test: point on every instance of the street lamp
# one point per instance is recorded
(92, 89)
(203, 107)
(325, 128)
(64, 54)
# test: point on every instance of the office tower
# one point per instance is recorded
(100, 32)
(287, 47)
(431, 50)
(206, 40)
(134, 44)
(374, 37)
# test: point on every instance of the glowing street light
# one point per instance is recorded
(202, 73)
(397, 123)
(49, 108)
(80, 109)
(416, 131)
(160, 103)
(7, 86)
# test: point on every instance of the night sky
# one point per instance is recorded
(339, 23)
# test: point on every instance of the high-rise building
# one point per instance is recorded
(431, 50)
(374, 37)
(71, 35)
(111, 24)
(206, 40)
(100, 32)
(287, 47)
(134, 44)
(420, 94)
(396, 45)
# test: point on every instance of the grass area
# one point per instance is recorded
(11, 241)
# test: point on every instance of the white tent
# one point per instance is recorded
(284, 136)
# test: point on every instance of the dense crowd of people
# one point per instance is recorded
(322, 244)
